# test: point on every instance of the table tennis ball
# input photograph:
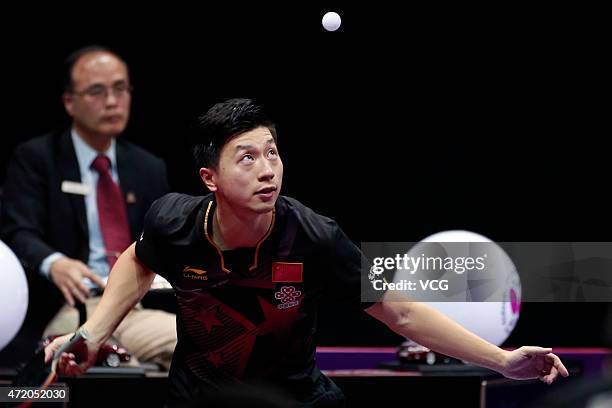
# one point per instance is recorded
(487, 304)
(13, 295)
(331, 21)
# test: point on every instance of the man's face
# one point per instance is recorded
(250, 172)
(100, 99)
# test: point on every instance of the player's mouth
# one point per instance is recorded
(266, 193)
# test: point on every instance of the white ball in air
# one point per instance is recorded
(331, 21)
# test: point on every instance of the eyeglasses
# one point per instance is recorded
(101, 92)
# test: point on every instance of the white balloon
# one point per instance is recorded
(331, 21)
(13, 295)
(491, 312)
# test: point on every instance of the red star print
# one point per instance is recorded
(209, 318)
(215, 358)
(278, 322)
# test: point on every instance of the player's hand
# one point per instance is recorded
(68, 274)
(72, 362)
(533, 362)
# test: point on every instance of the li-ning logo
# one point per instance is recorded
(288, 297)
(193, 273)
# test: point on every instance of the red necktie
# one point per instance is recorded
(111, 211)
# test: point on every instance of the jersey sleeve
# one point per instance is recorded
(150, 246)
(348, 278)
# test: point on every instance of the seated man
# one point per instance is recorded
(73, 201)
(249, 267)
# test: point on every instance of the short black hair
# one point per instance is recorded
(76, 55)
(222, 123)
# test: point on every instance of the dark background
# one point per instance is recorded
(403, 123)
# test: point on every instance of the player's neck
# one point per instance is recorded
(232, 230)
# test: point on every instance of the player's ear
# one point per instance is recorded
(208, 177)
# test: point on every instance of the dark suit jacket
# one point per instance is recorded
(39, 219)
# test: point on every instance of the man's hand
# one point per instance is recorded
(533, 362)
(68, 274)
(86, 354)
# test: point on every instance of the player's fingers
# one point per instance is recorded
(559, 366)
(62, 364)
(77, 370)
(50, 350)
(52, 347)
(546, 363)
(74, 368)
(533, 350)
(68, 365)
(48, 353)
(550, 377)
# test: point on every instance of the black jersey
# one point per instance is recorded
(250, 313)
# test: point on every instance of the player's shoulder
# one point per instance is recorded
(318, 227)
(175, 212)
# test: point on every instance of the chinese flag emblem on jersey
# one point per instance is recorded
(287, 272)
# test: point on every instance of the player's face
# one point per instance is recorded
(100, 101)
(250, 171)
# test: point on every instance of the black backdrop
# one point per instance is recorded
(403, 123)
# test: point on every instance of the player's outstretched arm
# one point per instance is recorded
(432, 329)
(128, 282)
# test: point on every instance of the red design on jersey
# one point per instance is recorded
(224, 338)
(287, 272)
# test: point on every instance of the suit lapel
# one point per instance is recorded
(128, 181)
(69, 170)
